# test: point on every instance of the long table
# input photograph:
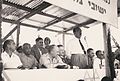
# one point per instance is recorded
(54, 74)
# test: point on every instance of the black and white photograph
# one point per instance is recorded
(59, 40)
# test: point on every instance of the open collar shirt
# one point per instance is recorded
(10, 62)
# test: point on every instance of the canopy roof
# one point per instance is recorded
(42, 15)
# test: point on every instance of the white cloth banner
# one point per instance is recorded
(101, 10)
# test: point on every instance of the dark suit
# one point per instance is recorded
(37, 52)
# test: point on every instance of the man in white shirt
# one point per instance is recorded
(52, 60)
(99, 61)
(9, 58)
(117, 59)
(90, 55)
(76, 50)
(73, 46)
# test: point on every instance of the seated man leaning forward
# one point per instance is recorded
(52, 60)
(9, 58)
(28, 60)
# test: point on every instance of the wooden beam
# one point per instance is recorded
(58, 20)
(38, 8)
(17, 6)
(18, 34)
(45, 23)
(52, 16)
(105, 36)
(118, 12)
(10, 33)
(28, 2)
(63, 38)
(0, 32)
(30, 10)
(81, 24)
(1, 62)
(8, 20)
(32, 26)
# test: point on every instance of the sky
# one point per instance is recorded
(93, 35)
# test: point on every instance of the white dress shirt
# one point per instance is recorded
(10, 62)
(48, 62)
(97, 64)
(74, 47)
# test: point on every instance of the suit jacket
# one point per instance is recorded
(38, 51)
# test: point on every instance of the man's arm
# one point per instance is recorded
(35, 63)
(47, 63)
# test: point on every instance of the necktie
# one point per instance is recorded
(100, 64)
(82, 46)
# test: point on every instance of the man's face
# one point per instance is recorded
(27, 49)
(61, 51)
(47, 42)
(118, 57)
(91, 53)
(40, 43)
(55, 51)
(12, 46)
(77, 34)
(101, 55)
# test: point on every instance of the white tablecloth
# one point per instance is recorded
(54, 74)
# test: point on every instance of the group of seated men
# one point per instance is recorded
(38, 56)
(44, 55)
(48, 56)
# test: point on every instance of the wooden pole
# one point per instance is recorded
(0, 28)
(64, 40)
(18, 33)
(9, 34)
(1, 64)
(105, 31)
